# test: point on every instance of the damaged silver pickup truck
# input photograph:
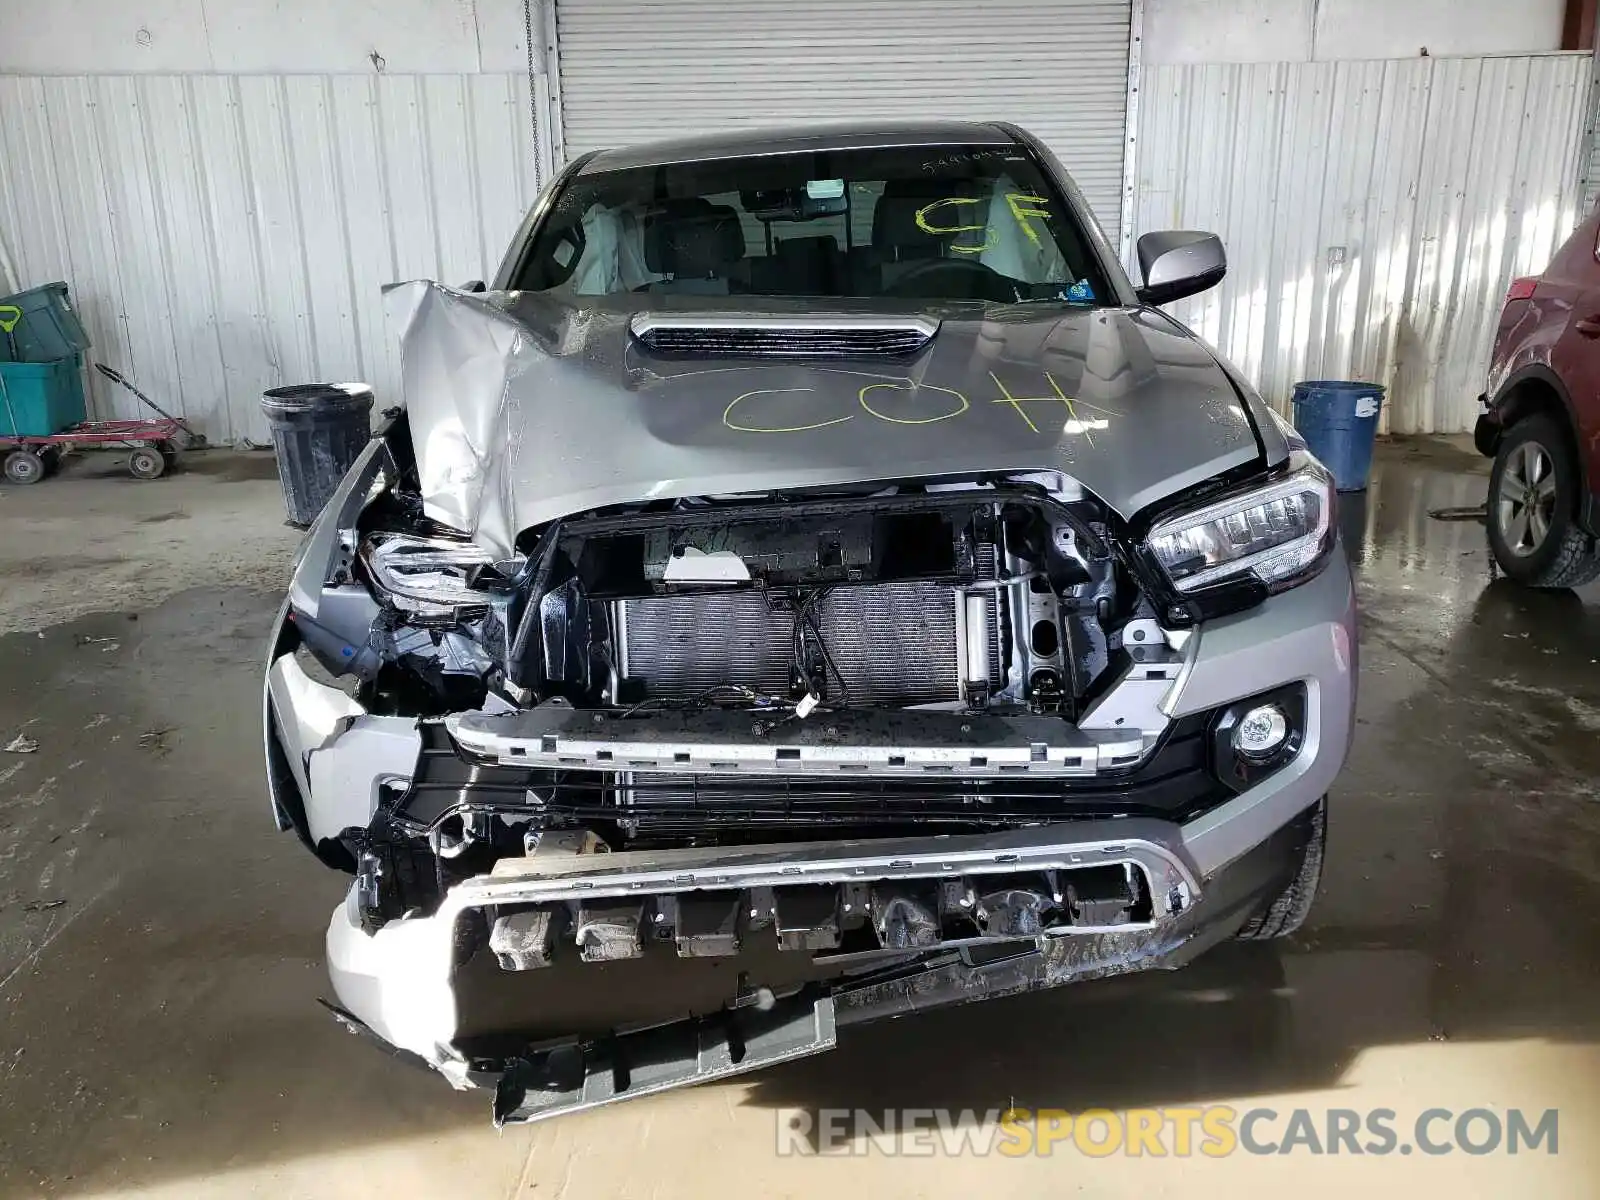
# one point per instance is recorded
(812, 585)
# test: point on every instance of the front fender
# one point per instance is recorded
(329, 616)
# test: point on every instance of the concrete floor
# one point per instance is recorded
(160, 944)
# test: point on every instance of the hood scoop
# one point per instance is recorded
(712, 335)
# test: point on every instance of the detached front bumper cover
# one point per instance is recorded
(758, 1028)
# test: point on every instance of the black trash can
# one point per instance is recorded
(318, 430)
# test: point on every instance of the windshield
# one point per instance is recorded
(924, 223)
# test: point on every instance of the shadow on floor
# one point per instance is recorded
(232, 466)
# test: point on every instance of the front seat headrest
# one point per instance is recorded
(693, 239)
(896, 232)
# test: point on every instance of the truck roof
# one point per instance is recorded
(800, 139)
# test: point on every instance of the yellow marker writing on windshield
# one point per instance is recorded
(1023, 207)
(914, 389)
(727, 414)
(928, 226)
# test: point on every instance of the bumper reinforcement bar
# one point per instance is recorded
(900, 744)
(540, 878)
(905, 894)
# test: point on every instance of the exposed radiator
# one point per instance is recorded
(894, 643)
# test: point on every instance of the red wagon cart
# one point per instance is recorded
(152, 447)
(152, 444)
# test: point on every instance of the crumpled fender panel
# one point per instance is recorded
(457, 354)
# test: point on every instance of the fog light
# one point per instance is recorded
(1261, 731)
(1258, 735)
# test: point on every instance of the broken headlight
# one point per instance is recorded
(425, 576)
(1279, 533)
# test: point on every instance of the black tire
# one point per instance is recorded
(51, 457)
(1290, 908)
(1533, 504)
(24, 467)
(146, 463)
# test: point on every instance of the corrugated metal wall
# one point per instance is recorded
(1591, 173)
(224, 234)
(1373, 211)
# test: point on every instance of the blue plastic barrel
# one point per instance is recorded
(1339, 420)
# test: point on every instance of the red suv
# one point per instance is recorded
(1541, 420)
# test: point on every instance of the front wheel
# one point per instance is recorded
(1288, 910)
(1533, 505)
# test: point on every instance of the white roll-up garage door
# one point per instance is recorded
(637, 70)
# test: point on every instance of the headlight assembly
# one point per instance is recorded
(1280, 534)
(427, 577)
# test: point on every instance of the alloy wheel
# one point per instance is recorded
(1526, 504)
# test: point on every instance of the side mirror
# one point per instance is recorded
(1179, 262)
(474, 285)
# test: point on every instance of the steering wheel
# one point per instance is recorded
(948, 278)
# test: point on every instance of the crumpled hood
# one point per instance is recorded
(523, 409)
